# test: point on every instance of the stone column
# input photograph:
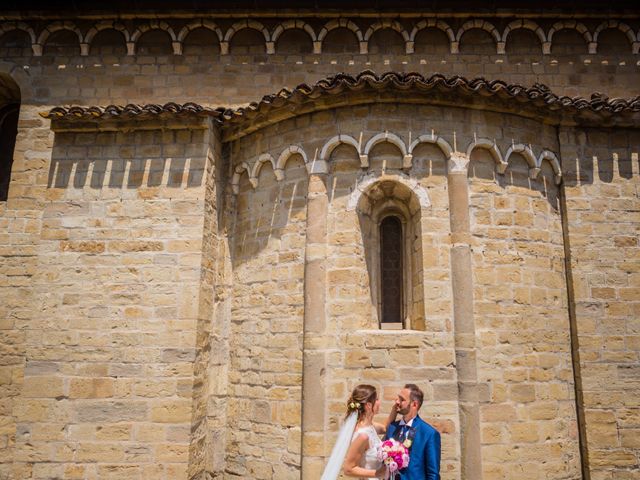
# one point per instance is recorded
(464, 325)
(313, 356)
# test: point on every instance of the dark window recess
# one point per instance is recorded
(391, 270)
(8, 133)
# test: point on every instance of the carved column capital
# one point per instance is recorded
(458, 162)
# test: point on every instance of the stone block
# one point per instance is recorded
(119, 431)
(523, 393)
(543, 411)
(171, 411)
(99, 452)
(43, 387)
(497, 413)
(103, 411)
(171, 453)
(91, 387)
(524, 433)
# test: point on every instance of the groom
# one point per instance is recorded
(421, 438)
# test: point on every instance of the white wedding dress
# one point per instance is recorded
(370, 458)
(346, 435)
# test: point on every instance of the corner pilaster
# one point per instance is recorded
(463, 318)
(314, 357)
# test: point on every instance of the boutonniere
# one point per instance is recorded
(408, 439)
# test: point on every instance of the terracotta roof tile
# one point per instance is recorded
(597, 109)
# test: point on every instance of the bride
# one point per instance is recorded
(358, 439)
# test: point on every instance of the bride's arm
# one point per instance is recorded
(380, 428)
(355, 453)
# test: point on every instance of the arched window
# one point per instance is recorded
(9, 109)
(8, 132)
(391, 270)
(390, 221)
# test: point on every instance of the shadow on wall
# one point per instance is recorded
(482, 167)
(605, 168)
(127, 160)
(601, 156)
(271, 215)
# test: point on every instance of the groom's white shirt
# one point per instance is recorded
(402, 423)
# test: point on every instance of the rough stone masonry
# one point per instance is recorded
(191, 201)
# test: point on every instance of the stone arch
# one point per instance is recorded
(430, 23)
(10, 99)
(528, 155)
(492, 148)
(335, 24)
(386, 137)
(570, 25)
(365, 186)
(237, 173)
(440, 142)
(291, 25)
(90, 36)
(433, 23)
(551, 157)
(375, 199)
(384, 24)
(106, 25)
(22, 30)
(257, 166)
(56, 27)
(9, 27)
(526, 25)
(284, 157)
(334, 142)
(614, 24)
(251, 24)
(207, 24)
(155, 25)
(482, 25)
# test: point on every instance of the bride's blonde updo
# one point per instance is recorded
(360, 396)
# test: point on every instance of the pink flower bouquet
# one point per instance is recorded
(394, 455)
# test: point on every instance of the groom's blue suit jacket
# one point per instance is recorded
(424, 463)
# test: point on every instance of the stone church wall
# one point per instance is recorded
(528, 409)
(265, 371)
(524, 362)
(159, 282)
(87, 62)
(108, 350)
(602, 205)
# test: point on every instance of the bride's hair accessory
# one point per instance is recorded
(360, 396)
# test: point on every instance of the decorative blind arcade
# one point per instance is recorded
(391, 270)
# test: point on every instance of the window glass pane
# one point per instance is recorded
(391, 269)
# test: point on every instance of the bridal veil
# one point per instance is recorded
(332, 470)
